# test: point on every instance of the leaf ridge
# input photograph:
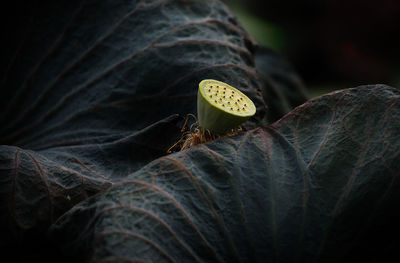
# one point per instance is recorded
(160, 221)
(178, 206)
(139, 237)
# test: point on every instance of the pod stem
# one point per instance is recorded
(194, 135)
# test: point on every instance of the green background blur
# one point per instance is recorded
(332, 44)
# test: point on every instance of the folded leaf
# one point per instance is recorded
(319, 185)
(283, 89)
(95, 69)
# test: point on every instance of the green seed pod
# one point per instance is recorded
(221, 107)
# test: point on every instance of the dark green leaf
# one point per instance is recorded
(118, 69)
(320, 185)
(283, 89)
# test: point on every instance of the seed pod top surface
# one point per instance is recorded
(226, 98)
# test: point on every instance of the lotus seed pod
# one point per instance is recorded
(221, 107)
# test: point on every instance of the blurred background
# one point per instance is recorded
(332, 44)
